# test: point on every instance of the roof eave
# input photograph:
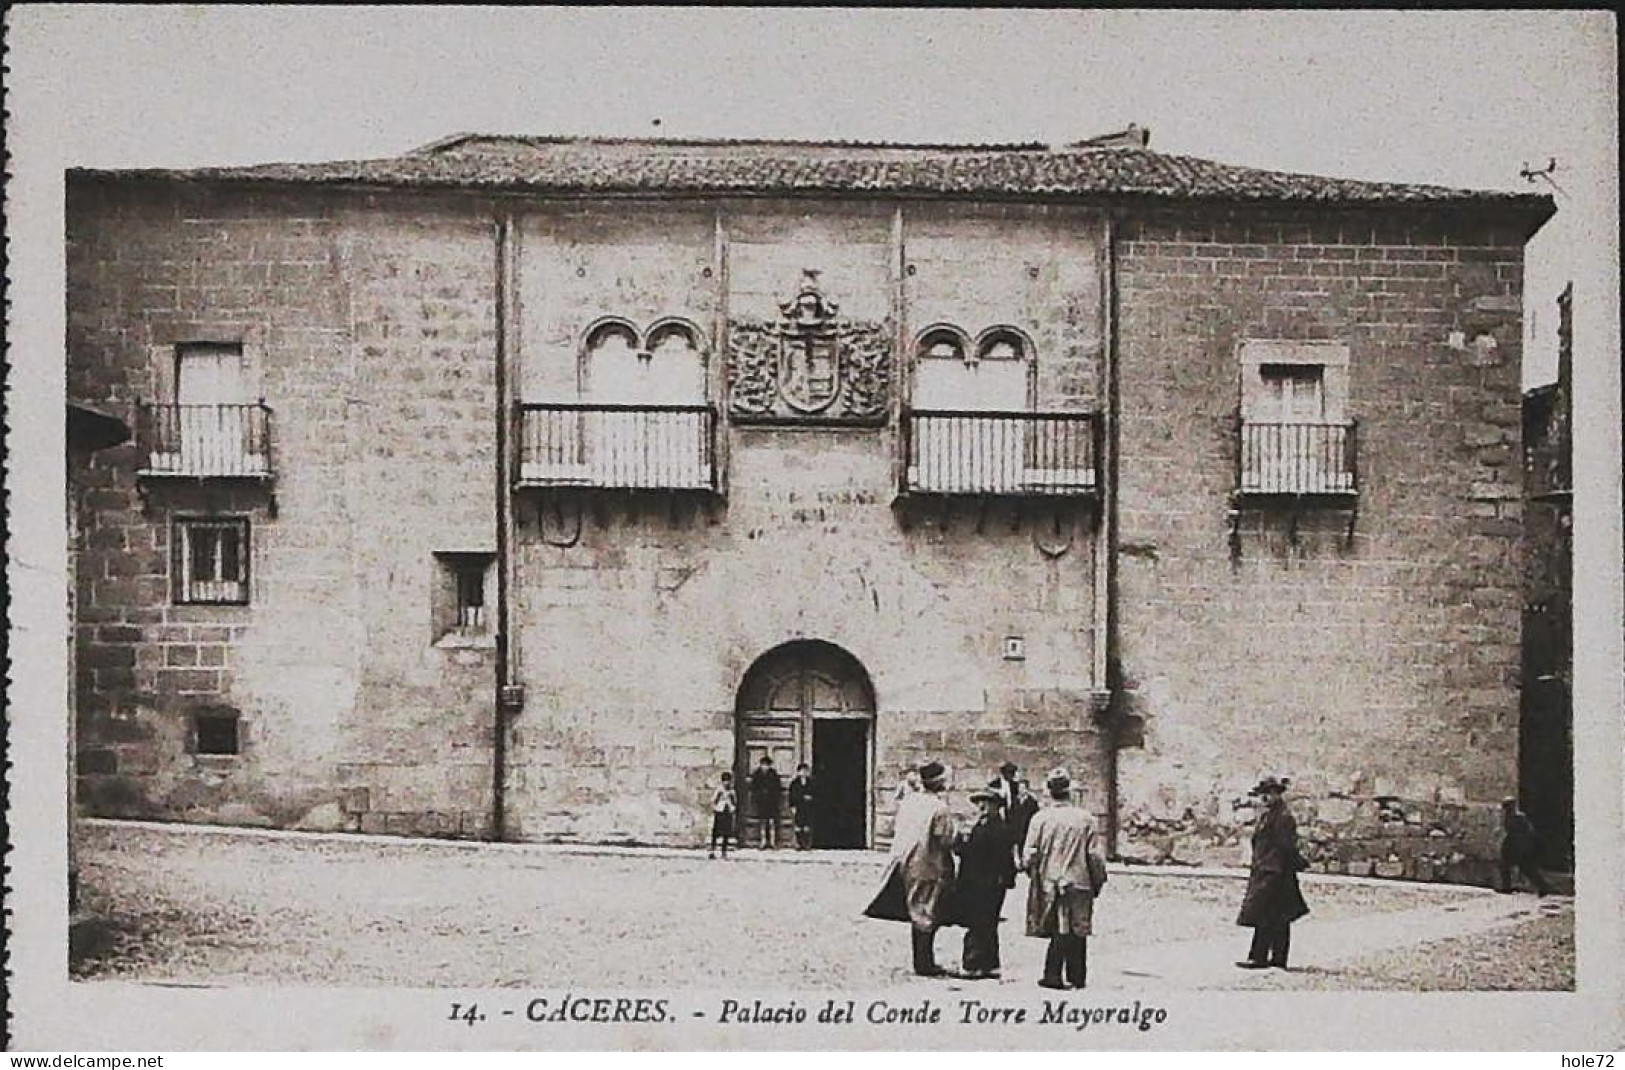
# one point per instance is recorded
(1531, 211)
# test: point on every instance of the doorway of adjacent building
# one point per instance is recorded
(811, 702)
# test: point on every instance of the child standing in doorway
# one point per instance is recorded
(723, 807)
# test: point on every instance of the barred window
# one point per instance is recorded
(210, 561)
(1292, 393)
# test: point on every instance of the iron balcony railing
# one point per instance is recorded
(1297, 458)
(623, 447)
(1037, 454)
(202, 441)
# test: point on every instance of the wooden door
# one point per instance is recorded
(785, 703)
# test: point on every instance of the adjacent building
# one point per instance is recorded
(87, 431)
(1546, 744)
(518, 486)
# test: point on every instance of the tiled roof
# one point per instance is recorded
(1107, 168)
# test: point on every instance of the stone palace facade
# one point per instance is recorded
(517, 486)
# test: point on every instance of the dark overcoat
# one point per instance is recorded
(987, 869)
(765, 788)
(1020, 818)
(1273, 896)
(800, 794)
(1520, 840)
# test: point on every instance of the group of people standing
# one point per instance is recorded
(943, 874)
(766, 788)
(1059, 850)
(1056, 846)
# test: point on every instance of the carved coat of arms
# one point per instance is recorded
(809, 364)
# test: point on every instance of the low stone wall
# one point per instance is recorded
(1362, 836)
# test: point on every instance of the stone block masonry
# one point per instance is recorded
(371, 343)
(1364, 649)
(1366, 645)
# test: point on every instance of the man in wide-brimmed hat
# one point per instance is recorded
(921, 873)
(1273, 900)
(1062, 855)
(987, 869)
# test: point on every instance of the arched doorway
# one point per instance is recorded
(810, 701)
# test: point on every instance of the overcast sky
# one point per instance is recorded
(1455, 98)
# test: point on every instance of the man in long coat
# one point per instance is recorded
(1273, 900)
(1520, 848)
(801, 798)
(987, 869)
(1019, 815)
(921, 873)
(1062, 855)
(765, 788)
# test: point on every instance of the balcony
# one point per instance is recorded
(1297, 459)
(1002, 454)
(618, 447)
(205, 441)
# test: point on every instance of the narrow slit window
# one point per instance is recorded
(461, 595)
(471, 597)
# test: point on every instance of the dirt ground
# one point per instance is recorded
(221, 908)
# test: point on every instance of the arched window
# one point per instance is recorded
(990, 376)
(954, 445)
(643, 425)
(943, 343)
(610, 361)
(1001, 343)
(676, 364)
(942, 371)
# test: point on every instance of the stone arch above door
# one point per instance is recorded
(836, 680)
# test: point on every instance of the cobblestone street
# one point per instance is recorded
(189, 905)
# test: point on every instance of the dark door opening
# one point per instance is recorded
(840, 768)
(1546, 769)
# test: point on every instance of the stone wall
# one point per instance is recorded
(1371, 654)
(369, 335)
(637, 619)
(1368, 655)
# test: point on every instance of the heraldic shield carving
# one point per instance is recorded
(809, 365)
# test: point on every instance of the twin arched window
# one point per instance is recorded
(664, 365)
(992, 372)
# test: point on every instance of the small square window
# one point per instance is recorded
(215, 733)
(461, 598)
(209, 559)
